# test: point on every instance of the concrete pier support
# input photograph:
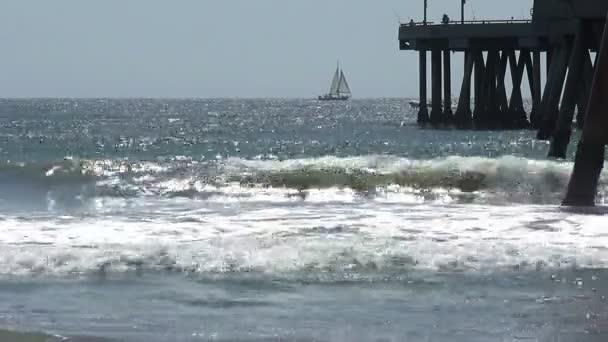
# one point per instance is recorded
(516, 112)
(495, 108)
(447, 88)
(563, 128)
(590, 154)
(588, 164)
(491, 102)
(463, 118)
(501, 91)
(553, 90)
(549, 59)
(585, 89)
(505, 53)
(436, 111)
(551, 76)
(423, 112)
(479, 102)
(534, 77)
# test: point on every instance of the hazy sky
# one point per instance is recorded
(215, 48)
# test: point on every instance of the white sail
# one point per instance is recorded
(343, 87)
(335, 83)
(339, 89)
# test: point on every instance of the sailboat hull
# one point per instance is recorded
(333, 98)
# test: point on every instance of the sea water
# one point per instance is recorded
(288, 220)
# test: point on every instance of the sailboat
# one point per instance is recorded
(339, 90)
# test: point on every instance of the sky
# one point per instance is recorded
(217, 48)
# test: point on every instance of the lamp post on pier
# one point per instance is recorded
(426, 4)
(462, 3)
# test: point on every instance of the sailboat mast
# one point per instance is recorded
(340, 79)
(338, 73)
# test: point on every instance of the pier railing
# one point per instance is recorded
(469, 22)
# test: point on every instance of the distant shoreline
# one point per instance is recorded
(197, 98)
(208, 98)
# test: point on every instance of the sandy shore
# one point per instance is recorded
(12, 336)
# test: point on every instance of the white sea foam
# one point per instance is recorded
(306, 241)
(318, 217)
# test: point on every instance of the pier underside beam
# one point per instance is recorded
(423, 112)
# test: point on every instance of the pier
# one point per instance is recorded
(591, 151)
(565, 33)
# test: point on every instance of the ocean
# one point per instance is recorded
(287, 220)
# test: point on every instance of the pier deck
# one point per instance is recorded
(483, 35)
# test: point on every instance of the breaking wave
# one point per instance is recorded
(365, 240)
(505, 179)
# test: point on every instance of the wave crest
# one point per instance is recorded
(511, 178)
